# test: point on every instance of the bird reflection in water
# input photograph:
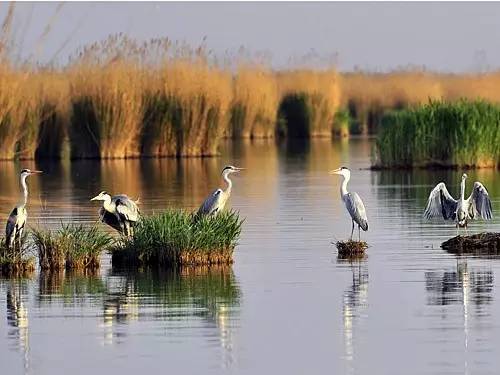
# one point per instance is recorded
(17, 319)
(461, 286)
(354, 301)
(176, 296)
(121, 305)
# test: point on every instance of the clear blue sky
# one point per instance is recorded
(375, 36)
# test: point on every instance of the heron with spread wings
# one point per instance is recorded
(217, 200)
(353, 202)
(461, 210)
(118, 211)
(17, 218)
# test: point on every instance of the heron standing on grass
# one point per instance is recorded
(17, 218)
(217, 200)
(118, 211)
(441, 203)
(353, 202)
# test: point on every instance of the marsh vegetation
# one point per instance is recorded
(441, 134)
(175, 237)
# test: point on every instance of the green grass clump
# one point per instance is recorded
(16, 262)
(74, 246)
(174, 238)
(461, 134)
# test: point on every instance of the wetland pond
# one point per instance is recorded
(287, 305)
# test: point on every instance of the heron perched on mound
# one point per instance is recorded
(353, 202)
(216, 201)
(118, 211)
(441, 203)
(17, 218)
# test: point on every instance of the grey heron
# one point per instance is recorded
(118, 211)
(17, 218)
(353, 202)
(441, 203)
(216, 201)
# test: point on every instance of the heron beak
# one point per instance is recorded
(335, 171)
(95, 198)
(239, 169)
(35, 172)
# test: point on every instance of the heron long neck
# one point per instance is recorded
(462, 189)
(229, 183)
(343, 187)
(107, 204)
(25, 189)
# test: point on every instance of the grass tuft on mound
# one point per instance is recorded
(16, 262)
(351, 248)
(175, 238)
(74, 246)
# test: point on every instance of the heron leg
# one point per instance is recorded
(359, 233)
(127, 228)
(19, 240)
(352, 230)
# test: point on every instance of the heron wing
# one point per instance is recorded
(440, 203)
(479, 202)
(11, 223)
(212, 204)
(356, 209)
(110, 219)
(126, 207)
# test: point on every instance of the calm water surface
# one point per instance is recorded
(288, 305)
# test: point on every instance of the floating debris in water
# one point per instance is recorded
(482, 243)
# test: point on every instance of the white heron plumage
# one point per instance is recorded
(217, 200)
(352, 201)
(461, 210)
(119, 212)
(17, 218)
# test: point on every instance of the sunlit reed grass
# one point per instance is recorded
(459, 134)
(74, 246)
(185, 109)
(174, 238)
(309, 101)
(254, 104)
(368, 96)
(106, 115)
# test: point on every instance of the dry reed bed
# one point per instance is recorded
(309, 101)
(120, 99)
(368, 96)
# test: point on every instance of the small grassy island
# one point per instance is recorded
(477, 244)
(16, 261)
(351, 248)
(72, 247)
(175, 238)
(440, 134)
